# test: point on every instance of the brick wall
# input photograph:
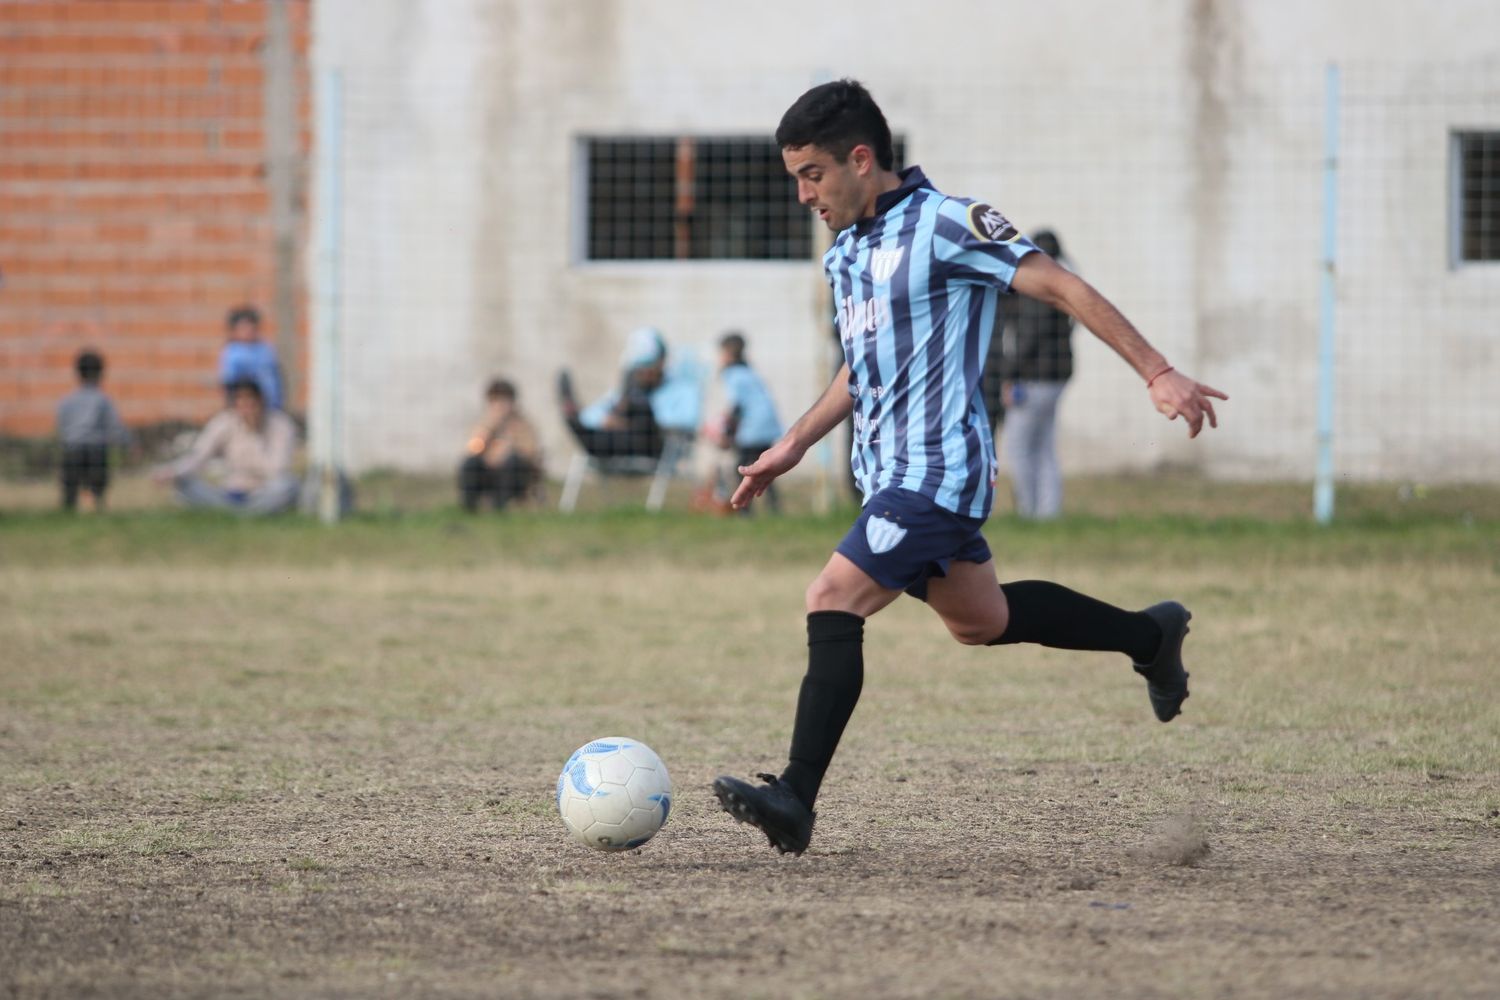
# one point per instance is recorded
(134, 205)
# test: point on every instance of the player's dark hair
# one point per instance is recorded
(1047, 242)
(837, 117)
(242, 314)
(501, 389)
(245, 385)
(89, 366)
(734, 343)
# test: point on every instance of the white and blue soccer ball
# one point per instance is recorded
(614, 794)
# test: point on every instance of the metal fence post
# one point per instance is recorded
(1323, 481)
(326, 409)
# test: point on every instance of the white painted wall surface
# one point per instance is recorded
(1175, 145)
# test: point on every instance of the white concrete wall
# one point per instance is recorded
(414, 145)
(1174, 144)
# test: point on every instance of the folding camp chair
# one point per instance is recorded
(677, 445)
(678, 406)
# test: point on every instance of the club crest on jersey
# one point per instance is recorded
(883, 535)
(988, 224)
(883, 263)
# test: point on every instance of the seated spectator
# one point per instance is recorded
(246, 356)
(256, 444)
(624, 424)
(749, 425)
(87, 424)
(505, 457)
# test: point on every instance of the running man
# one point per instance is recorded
(916, 279)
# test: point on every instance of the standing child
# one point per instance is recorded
(750, 425)
(246, 357)
(87, 424)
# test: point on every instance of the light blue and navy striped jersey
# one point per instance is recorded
(916, 287)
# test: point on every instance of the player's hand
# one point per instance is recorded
(775, 460)
(1177, 395)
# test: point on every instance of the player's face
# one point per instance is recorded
(835, 190)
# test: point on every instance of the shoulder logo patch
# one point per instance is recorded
(988, 224)
(883, 263)
(883, 535)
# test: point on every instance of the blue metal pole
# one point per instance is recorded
(1323, 481)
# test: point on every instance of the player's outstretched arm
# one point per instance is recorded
(827, 413)
(1173, 393)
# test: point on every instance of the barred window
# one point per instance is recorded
(692, 198)
(1476, 196)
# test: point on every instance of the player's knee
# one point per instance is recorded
(977, 633)
(824, 595)
(818, 592)
(968, 635)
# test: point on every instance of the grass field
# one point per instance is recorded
(278, 759)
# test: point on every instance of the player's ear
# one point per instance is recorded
(862, 159)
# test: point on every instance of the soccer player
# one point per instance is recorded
(916, 276)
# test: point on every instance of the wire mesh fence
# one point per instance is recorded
(484, 250)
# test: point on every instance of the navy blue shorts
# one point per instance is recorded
(902, 539)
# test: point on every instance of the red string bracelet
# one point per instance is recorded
(1158, 375)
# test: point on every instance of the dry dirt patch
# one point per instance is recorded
(338, 782)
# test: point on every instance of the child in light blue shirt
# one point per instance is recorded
(248, 358)
(750, 423)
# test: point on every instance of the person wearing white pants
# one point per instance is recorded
(1037, 363)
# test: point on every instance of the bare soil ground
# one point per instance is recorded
(223, 775)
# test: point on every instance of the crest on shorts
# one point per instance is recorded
(883, 263)
(883, 535)
(988, 224)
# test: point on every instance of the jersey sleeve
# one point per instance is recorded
(974, 243)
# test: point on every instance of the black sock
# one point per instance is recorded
(835, 674)
(1050, 614)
